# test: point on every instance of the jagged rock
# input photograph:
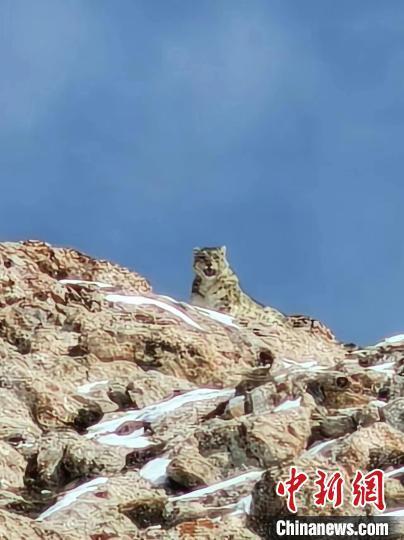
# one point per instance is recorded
(203, 528)
(266, 504)
(117, 506)
(377, 446)
(189, 469)
(153, 386)
(99, 375)
(15, 527)
(393, 413)
(94, 523)
(12, 467)
(16, 425)
(64, 456)
(26, 259)
(258, 440)
(394, 492)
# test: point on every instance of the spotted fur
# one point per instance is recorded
(217, 287)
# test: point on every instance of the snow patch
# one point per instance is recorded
(71, 496)
(83, 282)
(318, 448)
(394, 473)
(223, 318)
(199, 493)
(394, 513)
(287, 405)
(243, 506)
(144, 300)
(134, 440)
(383, 368)
(310, 365)
(155, 471)
(399, 338)
(105, 432)
(378, 403)
(88, 387)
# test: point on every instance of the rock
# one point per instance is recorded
(189, 469)
(15, 527)
(377, 446)
(26, 259)
(206, 529)
(12, 467)
(128, 414)
(108, 506)
(393, 413)
(64, 456)
(17, 428)
(266, 504)
(258, 441)
(152, 386)
(394, 493)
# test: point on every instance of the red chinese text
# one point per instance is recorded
(329, 489)
(290, 487)
(369, 489)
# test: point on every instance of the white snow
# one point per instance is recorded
(132, 440)
(394, 513)
(287, 405)
(84, 283)
(162, 301)
(318, 447)
(198, 493)
(88, 387)
(223, 318)
(72, 495)
(243, 506)
(391, 340)
(173, 300)
(394, 473)
(378, 403)
(236, 401)
(110, 426)
(383, 368)
(144, 300)
(310, 365)
(155, 471)
(104, 430)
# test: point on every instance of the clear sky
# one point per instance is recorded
(135, 130)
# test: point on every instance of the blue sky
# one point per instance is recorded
(136, 130)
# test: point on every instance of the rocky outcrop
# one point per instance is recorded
(128, 414)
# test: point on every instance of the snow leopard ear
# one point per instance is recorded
(196, 250)
(223, 250)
